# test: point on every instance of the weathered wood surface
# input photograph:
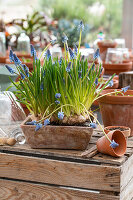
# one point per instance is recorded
(127, 193)
(13, 190)
(106, 176)
(60, 172)
(126, 78)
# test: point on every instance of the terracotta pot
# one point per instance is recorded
(57, 137)
(115, 86)
(2, 59)
(22, 55)
(103, 144)
(117, 68)
(103, 46)
(125, 130)
(117, 110)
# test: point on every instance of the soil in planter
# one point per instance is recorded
(119, 128)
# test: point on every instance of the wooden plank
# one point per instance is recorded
(12, 190)
(109, 159)
(60, 172)
(127, 193)
(126, 173)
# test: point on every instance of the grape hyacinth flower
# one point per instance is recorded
(114, 144)
(16, 60)
(22, 75)
(26, 70)
(101, 70)
(125, 88)
(31, 123)
(42, 86)
(80, 74)
(10, 69)
(93, 66)
(11, 57)
(75, 50)
(61, 115)
(72, 55)
(53, 41)
(38, 126)
(81, 26)
(33, 52)
(57, 95)
(96, 81)
(48, 54)
(60, 61)
(64, 39)
(46, 122)
(96, 54)
(68, 69)
(93, 125)
(111, 83)
(57, 102)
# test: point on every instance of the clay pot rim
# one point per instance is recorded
(124, 127)
(115, 66)
(106, 44)
(53, 126)
(126, 131)
(112, 99)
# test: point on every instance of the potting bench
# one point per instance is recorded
(42, 174)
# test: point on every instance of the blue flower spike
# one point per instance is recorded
(96, 81)
(46, 122)
(26, 70)
(31, 123)
(53, 41)
(33, 52)
(64, 39)
(48, 54)
(57, 95)
(10, 69)
(16, 60)
(81, 26)
(22, 75)
(75, 50)
(72, 55)
(113, 144)
(111, 83)
(11, 57)
(60, 61)
(96, 54)
(93, 125)
(38, 126)
(80, 74)
(57, 102)
(68, 68)
(125, 88)
(61, 115)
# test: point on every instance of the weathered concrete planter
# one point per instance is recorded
(57, 137)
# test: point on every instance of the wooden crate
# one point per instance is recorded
(33, 174)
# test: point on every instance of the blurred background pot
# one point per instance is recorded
(117, 110)
(125, 130)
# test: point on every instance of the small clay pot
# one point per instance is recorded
(2, 59)
(125, 130)
(117, 68)
(103, 46)
(103, 144)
